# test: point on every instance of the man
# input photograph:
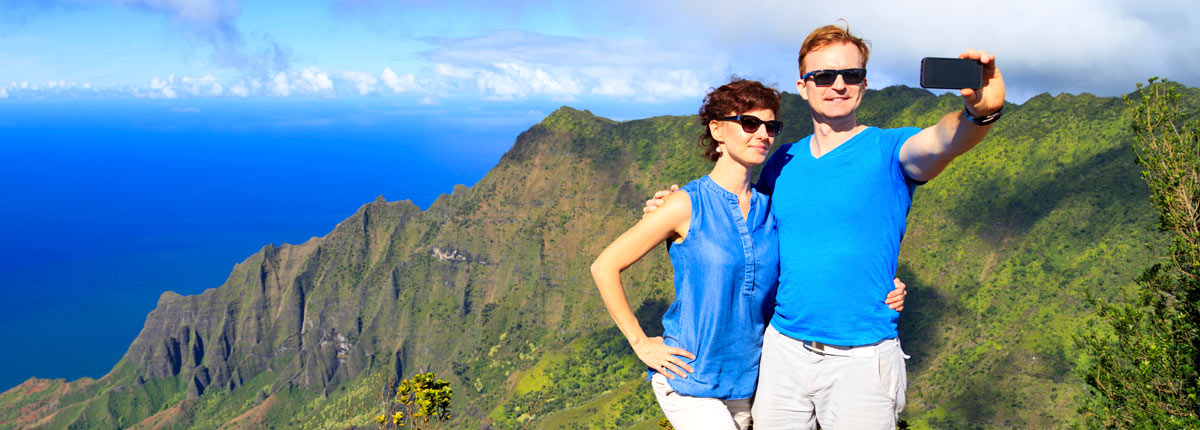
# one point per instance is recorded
(840, 197)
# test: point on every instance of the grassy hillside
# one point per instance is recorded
(489, 287)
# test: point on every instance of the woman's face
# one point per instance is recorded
(746, 148)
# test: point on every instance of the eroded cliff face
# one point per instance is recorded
(299, 308)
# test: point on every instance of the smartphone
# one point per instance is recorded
(951, 73)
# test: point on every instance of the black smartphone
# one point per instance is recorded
(951, 73)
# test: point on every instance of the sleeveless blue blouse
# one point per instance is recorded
(726, 271)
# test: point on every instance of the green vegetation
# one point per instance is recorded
(594, 382)
(421, 402)
(489, 287)
(1143, 362)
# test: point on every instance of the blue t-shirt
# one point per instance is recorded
(841, 218)
(725, 275)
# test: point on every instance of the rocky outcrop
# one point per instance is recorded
(286, 304)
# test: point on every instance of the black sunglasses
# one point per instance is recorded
(825, 78)
(750, 124)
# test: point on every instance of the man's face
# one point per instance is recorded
(837, 101)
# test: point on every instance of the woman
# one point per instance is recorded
(722, 241)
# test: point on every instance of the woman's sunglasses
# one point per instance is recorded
(825, 78)
(750, 124)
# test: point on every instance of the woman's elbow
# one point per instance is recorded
(597, 268)
(602, 268)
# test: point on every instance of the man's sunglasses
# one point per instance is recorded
(750, 124)
(825, 78)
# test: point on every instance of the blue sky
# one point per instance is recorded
(599, 55)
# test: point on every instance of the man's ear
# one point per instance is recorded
(801, 89)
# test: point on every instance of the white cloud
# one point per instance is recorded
(54, 88)
(3, 93)
(215, 23)
(169, 88)
(160, 88)
(671, 84)
(556, 82)
(256, 85)
(206, 85)
(452, 71)
(363, 82)
(280, 85)
(210, 22)
(510, 65)
(312, 80)
(615, 87)
(398, 84)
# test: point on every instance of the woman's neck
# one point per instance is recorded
(732, 176)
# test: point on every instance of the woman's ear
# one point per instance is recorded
(714, 129)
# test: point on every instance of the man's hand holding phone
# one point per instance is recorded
(989, 98)
(973, 73)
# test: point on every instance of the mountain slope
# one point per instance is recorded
(489, 287)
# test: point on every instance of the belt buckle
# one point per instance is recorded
(815, 346)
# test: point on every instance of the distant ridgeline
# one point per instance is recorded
(489, 287)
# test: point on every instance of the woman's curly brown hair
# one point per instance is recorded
(739, 95)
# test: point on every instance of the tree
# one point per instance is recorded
(1142, 365)
(422, 402)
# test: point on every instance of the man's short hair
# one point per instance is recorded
(829, 35)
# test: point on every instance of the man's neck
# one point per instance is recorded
(830, 133)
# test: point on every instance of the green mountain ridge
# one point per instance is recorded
(489, 287)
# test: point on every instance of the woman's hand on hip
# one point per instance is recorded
(662, 358)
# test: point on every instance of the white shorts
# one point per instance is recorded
(687, 412)
(841, 388)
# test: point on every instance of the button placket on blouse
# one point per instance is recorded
(743, 226)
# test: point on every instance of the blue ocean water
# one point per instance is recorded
(106, 204)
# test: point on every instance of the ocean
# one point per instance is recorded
(106, 204)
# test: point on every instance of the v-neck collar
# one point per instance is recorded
(852, 139)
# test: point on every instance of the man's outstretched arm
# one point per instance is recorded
(927, 153)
